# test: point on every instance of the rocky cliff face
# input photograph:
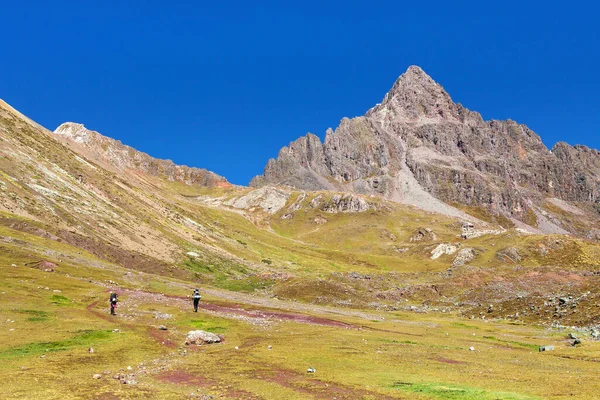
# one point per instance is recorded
(420, 147)
(121, 157)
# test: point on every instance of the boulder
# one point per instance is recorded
(202, 337)
(509, 255)
(423, 234)
(464, 256)
(442, 249)
(546, 348)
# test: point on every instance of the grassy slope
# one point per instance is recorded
(357, 268)
(403, 354)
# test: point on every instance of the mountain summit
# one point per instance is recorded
(421, 148)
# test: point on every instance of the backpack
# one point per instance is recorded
(113, 298)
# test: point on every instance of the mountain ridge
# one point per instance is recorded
(418, 132)
(121, 156)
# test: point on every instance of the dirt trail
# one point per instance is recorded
(318, 389)
(253, 307)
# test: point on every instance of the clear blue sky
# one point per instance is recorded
(224, 85)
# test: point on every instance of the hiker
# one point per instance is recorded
(196, 296)
(113, 303)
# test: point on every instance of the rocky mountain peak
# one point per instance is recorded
(73, 131)
(419, 147)
(415, 97)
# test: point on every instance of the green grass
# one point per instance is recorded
(61, 301)
(451, 392)
(82, 338)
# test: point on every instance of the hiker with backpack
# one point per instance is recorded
(113, 303)
(196, 296)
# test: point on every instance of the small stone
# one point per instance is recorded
(471, 348)
(129, 368)
(572, 336)
(116, 330)
(237, 348)
(162, 328)
(576, 342)
(97, 376)
(311, 370)
(546, 348)
(13, 265)
(270, 347)
(91, 350)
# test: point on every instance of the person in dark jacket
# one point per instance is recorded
(196, 296)
(113, 303)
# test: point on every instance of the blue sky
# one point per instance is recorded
(224, 85)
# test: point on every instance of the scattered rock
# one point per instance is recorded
(576, 342)
(346, 203)
(509, 255)
(91, 350)
(199, 337)
(162, 328)
(467, 229)
(442, 249)
(192, 254)
(311, 370)
(423, 234)
(464, 256)
(320, 220)
(471, 348)
(116, 330)
(160, 315)
(97, 376)
(270, 347)
(46, 266)
(13, 265)
(547, 348)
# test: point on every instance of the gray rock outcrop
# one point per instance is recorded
(418, 146)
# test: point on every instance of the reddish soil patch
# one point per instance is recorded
(44, 265)
(447, 360)
(308, 319)
(106, 316)
(100, 248)
(185, 378)
(319, 389)
(162, 337)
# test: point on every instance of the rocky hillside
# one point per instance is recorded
(115, 154)
(421, 148)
